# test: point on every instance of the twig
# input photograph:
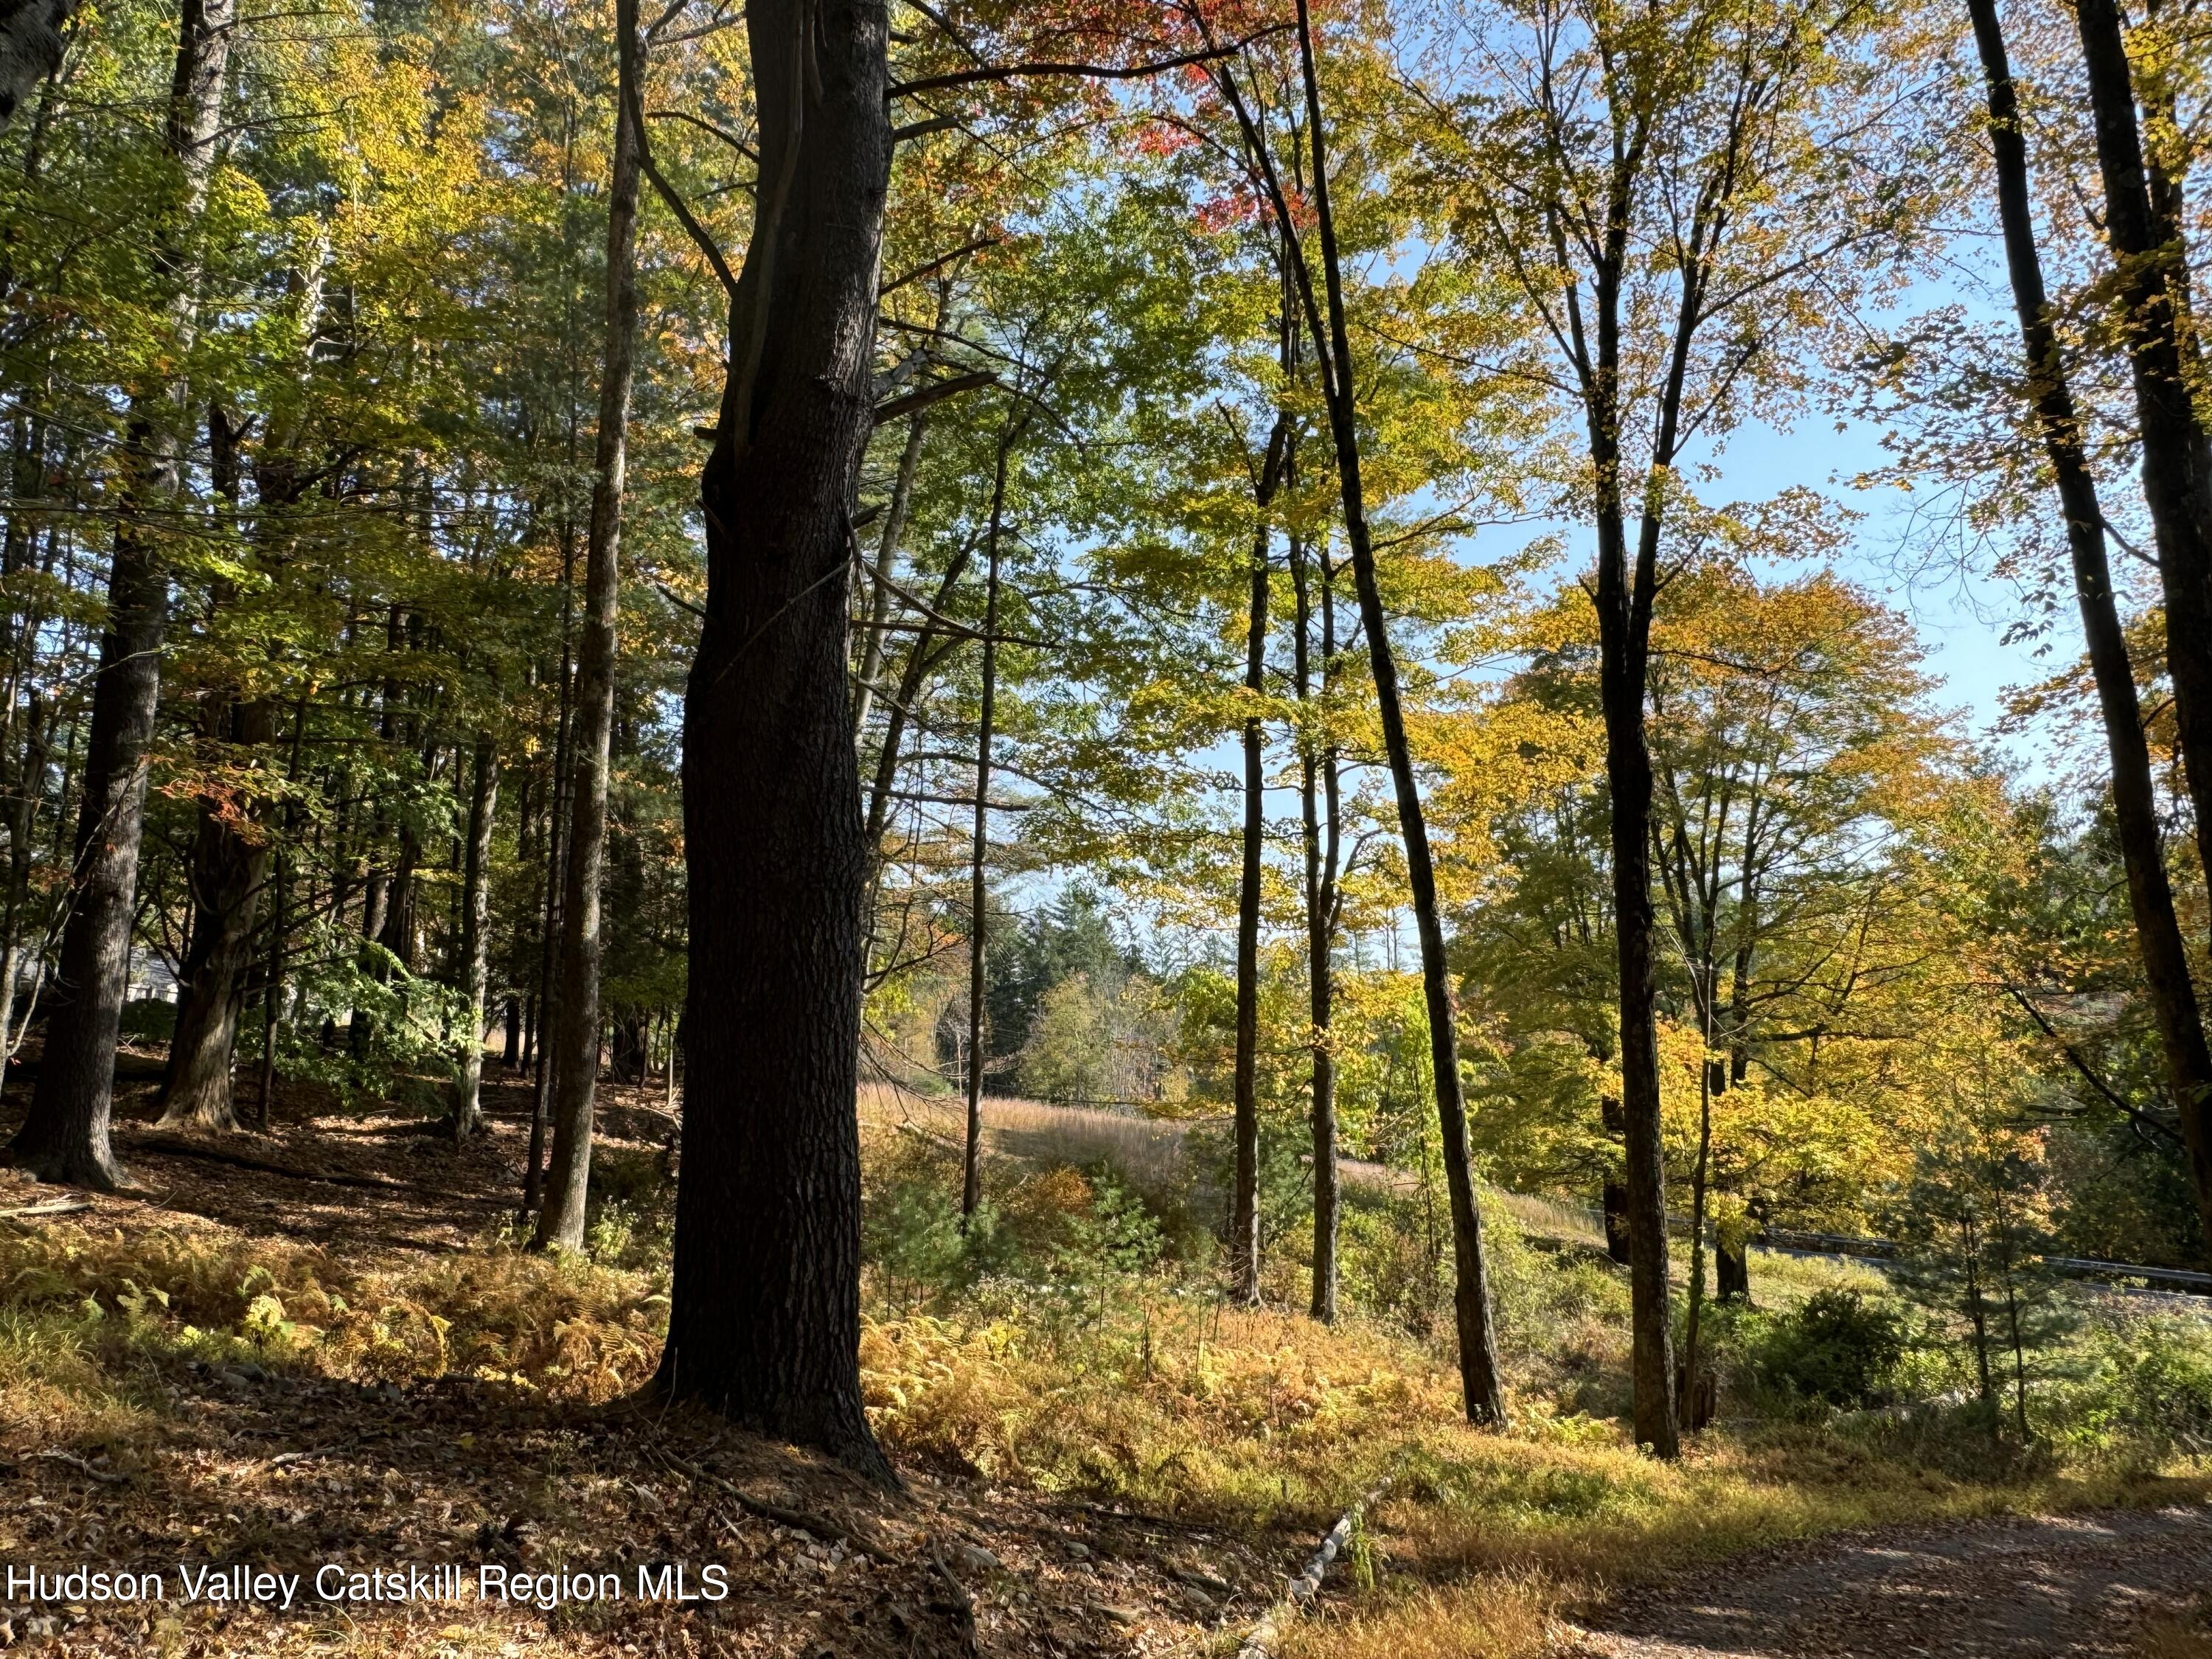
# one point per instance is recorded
(82, 1468)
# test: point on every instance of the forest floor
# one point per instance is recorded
(179, 1454)
(331, 1355)
(2120, 1582)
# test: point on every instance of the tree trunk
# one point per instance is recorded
(2177, 480)
(548, 943)
(1244, 1208)
(1480, 1386)
(31, 40)
(764, 1302)
(65, 1136)
(229, 867)
(879, 603)
(474, 956)
(575, 1046)
(1323, 824)
(971, 1156)
(510, 1054)
(1731, 1269)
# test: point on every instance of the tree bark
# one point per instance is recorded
(2182, 1043)
(575, 1045)
(2177, 459)
(32, 38)
(764, 1302)
(1244, 1208)
(971, 1158)
(229, 868)
(474, 956)
(1480, 1386)
(1324, 828)
(65, 1136)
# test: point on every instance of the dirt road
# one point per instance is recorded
(2070, 1585)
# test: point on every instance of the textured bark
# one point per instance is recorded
(764, 1302)
(971, 1158)
(474, 954)
(1322, 810)
(1481, 1389)
(575, 1047)
(1244, 1206)
(1624, 626)
(65, 1135)
(2188, 1061)
(31, 37)
(229, 868)
(2177, 459)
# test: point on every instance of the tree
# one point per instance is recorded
(1244, 1210)
(1480, 1388)
(1973, 1226)
(1675, 190)
(764, 1305)
(65, 1137)
(576, 1029)
(2135, 806)
(2151, 287)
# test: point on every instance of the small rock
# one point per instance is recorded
(1119, 1615)
(976, 1559)
(1078, 1549)
(1202, 1581)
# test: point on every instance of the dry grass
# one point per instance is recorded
(2183, 1633)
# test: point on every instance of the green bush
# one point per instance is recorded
(2145, 1382)
(1837, 1347)
(149, 1019)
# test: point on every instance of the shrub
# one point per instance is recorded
(1837, 1347)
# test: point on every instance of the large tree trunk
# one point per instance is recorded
(31, 44)
(764, 1303)
(1244, 1207)
(1480, 1386)
(576, 1031)
(2135, 803)
(229, 867)
(474, 954)
(65, 1136)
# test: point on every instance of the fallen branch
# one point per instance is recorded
(104, 1476)
(177, 1146)
(829, 1532)
(51, 1207)
(958, 1602)
(1302, 1590)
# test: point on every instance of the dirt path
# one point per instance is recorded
(1994, 1589)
